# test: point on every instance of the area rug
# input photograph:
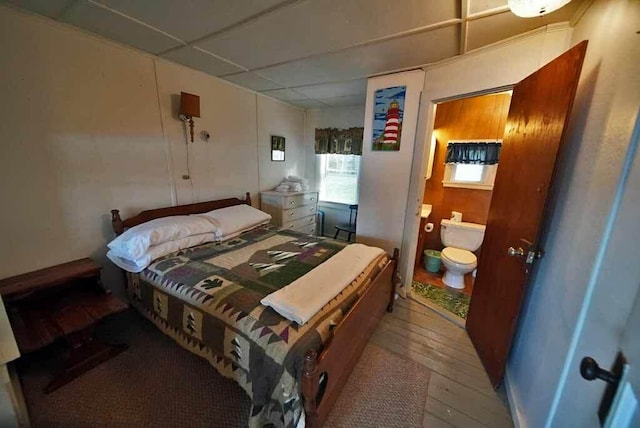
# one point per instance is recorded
(449, 299)
(384, 390)
(157, 383)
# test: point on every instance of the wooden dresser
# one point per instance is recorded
(291, 210)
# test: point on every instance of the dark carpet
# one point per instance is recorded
(157, 383)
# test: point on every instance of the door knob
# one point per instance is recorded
(590, 370)
(515, 252)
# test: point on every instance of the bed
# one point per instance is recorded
(207, 298)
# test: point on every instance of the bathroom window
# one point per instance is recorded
(470, 176)
(471, 164)
(468, 173)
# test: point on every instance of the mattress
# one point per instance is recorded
(207, 298)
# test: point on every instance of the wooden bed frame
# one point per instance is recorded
(324, 374)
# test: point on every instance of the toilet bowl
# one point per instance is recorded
(457, 263)
(460, 239)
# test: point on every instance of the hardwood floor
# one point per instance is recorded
(423, 275)
(460, 394)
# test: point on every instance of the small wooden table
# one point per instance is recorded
(63, 301)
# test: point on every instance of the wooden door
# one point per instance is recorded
(540, 107)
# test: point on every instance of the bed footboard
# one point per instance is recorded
(325, 374)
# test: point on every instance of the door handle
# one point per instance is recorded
(531, 253)
(590, 370)
(515, 252)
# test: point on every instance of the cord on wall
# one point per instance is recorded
(167, 142)
(188, 175)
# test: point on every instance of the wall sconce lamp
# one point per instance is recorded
(189, 108)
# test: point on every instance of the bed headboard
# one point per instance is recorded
(120, 225)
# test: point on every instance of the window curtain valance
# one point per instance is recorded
(339, 141)
(474, 152)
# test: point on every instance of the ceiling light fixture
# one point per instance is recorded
(533, 8)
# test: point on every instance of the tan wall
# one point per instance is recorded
(89, 125)
(469, 118)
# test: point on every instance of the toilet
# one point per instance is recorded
(459, 239)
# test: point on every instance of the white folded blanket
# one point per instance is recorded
(304, 297)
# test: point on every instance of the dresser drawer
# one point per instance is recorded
(307, 230)
(296, 213)
(295, 201)
(302, 222)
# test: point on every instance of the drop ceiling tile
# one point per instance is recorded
(476, 6)
(484, 31)
(116, 27)
(190, 20)
(50, 8)
(345, 101)
(309, 104)
(252, 81)
(202, 61)
(317, 26)
(337, 89)
(285, 94)
(406, 52)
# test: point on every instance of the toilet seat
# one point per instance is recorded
(459, 256)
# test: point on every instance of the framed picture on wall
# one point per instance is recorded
(388, 111)
(277, 148)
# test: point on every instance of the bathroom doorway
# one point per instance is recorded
(464, 189)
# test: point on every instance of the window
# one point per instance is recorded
(339, 178)
(470, 176)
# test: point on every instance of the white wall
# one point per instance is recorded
(335, 117)
(599, 134)
(385, 176)
(228, 162)
(89, 125)
(277, 118)
(493, 67)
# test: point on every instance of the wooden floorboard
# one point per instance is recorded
(432, 354)
(430, 333)
(436, 365)
(444, 324)
(432, 421)
(460, 393)
(437, 346)
(450, 415)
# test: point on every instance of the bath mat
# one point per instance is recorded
(451, 300)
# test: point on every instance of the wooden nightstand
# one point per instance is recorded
(64, 301)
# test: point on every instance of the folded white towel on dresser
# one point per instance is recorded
(304, 297)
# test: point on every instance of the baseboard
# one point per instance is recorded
(511, 399)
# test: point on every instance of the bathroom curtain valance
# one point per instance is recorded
(339, 141)
(474, 152)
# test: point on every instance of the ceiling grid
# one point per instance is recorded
(310, 53)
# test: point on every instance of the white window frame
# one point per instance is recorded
(323, 164)
(488, 172)
(488, 178)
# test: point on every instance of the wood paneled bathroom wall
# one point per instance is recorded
(482, 117)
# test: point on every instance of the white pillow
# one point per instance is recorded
(240, 232)
(237, 218)
(134, 243)
(155, 252)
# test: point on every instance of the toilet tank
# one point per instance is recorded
(467, 236)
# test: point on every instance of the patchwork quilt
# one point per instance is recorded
(208, 299)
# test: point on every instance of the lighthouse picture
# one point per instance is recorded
(387, 118)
